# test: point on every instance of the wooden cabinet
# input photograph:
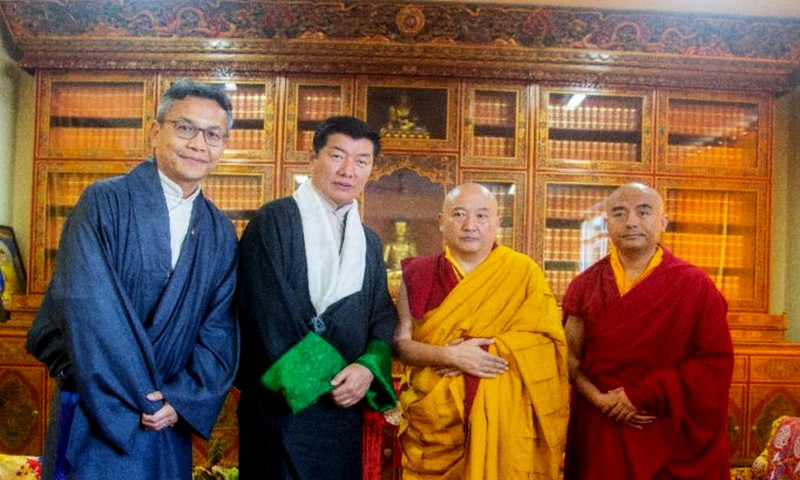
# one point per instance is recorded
(764, 388)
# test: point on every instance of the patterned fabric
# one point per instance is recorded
(20, 467)
(781, 459)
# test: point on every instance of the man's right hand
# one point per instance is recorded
(468, 356)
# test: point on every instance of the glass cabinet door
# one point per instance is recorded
(58, 186)
(571, 232)
(495, 126)
(595, 130)
(93, 116)
(253, 133)
(714, 134)
(720, 226)
(309, 101)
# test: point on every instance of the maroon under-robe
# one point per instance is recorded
(667, 342)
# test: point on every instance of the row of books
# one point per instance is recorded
(248, 103)
(235, 192)
(691, 206)
(732, 287)
(305, 140)
(246, 139)
(505, 236)
(712, 156)
(562, 244)
(708, 250)
(594, 118)
(494, 146)
(559, 280)
(66, 188)
(594, 151)
(495, 110)
(314, 104)
(73, 138)
(576, 201)
(97, 101)
(712, 120)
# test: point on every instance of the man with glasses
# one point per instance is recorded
(137, 325)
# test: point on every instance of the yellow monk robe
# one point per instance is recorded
(517, 424)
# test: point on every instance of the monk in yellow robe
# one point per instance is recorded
(485, 395)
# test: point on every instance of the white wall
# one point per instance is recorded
(785, 267)
(8, 103)
(16, 149)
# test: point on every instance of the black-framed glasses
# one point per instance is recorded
(186, 130)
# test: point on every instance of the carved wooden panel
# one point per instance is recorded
(737, 418)
(23, 400)
(768, 402)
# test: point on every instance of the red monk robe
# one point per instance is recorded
(667, 343)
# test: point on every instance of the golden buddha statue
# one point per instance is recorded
(395, 251)
(403, 123)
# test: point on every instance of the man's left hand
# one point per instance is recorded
(350, 385)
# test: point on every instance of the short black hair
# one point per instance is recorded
(350, 126)
(186, 87)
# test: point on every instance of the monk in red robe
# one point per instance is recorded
(650, 357)
(486, 390)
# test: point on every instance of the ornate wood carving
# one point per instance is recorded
(574, 45)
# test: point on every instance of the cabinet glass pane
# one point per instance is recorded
(63, 189)
(403, 208)
(505, 193)
(575, 234)
(584, 128)
(249, 107)
(314, 103)
(712, 134)
(716, 230)
(239, 195)
(96, 116)
(494, 130)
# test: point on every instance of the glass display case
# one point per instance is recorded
(713, 134)
(90, 116)
(495, 126)
(595, 130)
(308, 101)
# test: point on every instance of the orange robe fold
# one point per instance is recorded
(517, 424)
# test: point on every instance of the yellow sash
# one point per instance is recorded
(518, 420)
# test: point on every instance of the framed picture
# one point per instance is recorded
(12, 280)
(411, 115)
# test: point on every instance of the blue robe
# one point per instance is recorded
(323, 441)
(123, 324)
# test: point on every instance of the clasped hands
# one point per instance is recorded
(616, 405)
(164, 417)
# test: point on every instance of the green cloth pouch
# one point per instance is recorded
(304, 372)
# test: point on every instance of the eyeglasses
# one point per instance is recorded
(186, 130)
